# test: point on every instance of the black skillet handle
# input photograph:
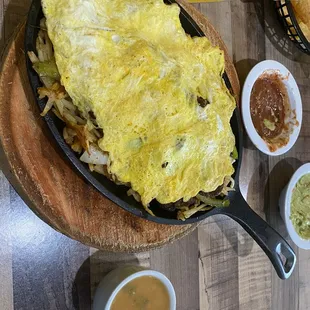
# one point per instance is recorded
(266, 237)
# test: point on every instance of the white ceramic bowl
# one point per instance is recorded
(118, 278)
(294, 99)
(285, 206)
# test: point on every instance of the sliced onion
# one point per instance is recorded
(94, 156)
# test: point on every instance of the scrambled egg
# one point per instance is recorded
(134, 67)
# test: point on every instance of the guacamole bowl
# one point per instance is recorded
(291, 207)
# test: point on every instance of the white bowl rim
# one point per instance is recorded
(156, 274)
(299, 173)
(289, 81)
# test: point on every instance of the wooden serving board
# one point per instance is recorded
(38, 170)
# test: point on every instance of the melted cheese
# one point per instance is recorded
(132, 64)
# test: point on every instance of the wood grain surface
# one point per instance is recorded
(218, 266)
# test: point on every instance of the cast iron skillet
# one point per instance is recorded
(279, 252)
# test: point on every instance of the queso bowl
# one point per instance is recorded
(112, 283)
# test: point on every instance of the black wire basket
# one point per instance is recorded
(287, 17)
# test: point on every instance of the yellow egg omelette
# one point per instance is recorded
(141, 75)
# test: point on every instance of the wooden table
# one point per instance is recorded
(218, 266)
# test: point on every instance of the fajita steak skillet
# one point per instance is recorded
(278, 250)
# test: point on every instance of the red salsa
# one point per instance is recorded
(269, 106)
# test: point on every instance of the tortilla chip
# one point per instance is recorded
(302, 13)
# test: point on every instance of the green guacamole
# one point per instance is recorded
(300, 207)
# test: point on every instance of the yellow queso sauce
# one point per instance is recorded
(143, 293)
